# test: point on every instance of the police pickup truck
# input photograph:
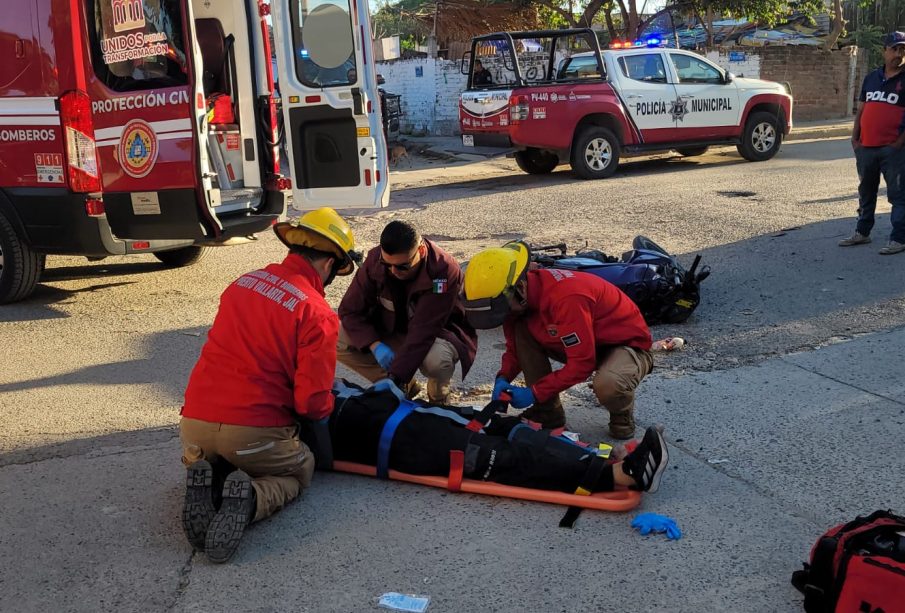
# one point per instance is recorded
(593, 107)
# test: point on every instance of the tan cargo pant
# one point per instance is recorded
(619, 371)
(279, 464)
(438, 366)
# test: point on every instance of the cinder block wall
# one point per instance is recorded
(430, 91)
(821, 81)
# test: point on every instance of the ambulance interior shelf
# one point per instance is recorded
(224, 135)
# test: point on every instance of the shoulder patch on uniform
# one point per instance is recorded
(570, 340)
(440, 286)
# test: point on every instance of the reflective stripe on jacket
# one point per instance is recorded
(270, 353)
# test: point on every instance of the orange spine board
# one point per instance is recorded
(619, 500)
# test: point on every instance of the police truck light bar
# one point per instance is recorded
(650, 42)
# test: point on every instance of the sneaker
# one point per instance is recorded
(855, 239)
(648, 461)
(228, 525)
(622, 425)
(198, 508)
(548, 417)
(892, 247)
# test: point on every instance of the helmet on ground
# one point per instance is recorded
(322, 229)
(489, 279)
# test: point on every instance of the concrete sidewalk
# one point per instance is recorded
(763, 459)
(451, 148)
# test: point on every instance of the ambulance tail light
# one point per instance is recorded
(94, 207)
(518, 108)
(78, 133)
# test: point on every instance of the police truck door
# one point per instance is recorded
(331, 109)
(650, 100)
(711, 103)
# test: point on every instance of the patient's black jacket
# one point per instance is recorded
(423, 441)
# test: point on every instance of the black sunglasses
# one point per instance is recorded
(401, 267)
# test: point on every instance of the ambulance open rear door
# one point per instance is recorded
(331, 109)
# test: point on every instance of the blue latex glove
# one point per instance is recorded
(387, 385)
(384, 355)
(522, 397)
(647, 523)
(498, 386)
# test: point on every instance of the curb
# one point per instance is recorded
(838, 131)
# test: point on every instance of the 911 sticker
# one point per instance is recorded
(570, 340)
(49, 167)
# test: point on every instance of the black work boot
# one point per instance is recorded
(236, 511)
(198, 508)
(549, 417)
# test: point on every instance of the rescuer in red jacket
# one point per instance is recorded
(569, 316)
(270, 359)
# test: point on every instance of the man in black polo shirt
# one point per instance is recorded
(878, 139)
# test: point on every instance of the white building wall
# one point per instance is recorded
(430, 91)
(740, 63)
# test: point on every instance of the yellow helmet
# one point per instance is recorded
(322, 229)
(489, 277)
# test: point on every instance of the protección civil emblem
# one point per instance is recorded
(137, 148)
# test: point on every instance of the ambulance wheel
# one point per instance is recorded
(691, 152)
(595, 153)
(185, 256)
(20, 267)
(762, 137)
(536, 161)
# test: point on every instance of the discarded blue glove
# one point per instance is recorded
(522, 397)
(387, 385)
(384, 355)
(498, 386)
(647, 523)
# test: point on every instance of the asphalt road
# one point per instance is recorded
(792, 361)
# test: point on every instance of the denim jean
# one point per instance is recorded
(888, 162)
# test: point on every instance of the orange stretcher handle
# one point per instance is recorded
(619, 500)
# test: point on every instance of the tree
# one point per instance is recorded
(838, 25)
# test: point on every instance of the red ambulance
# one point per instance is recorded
(149, 126)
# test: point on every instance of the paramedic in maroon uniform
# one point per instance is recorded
(878, 139)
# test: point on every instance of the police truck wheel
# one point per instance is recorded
(595, 153)
(691, 152)
(536, 162)
(20, 267)
(186, 256)
(762, 137)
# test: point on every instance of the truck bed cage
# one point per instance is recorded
(511, 36)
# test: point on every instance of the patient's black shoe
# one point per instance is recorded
(648, 461)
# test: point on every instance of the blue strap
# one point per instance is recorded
(386, 436)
